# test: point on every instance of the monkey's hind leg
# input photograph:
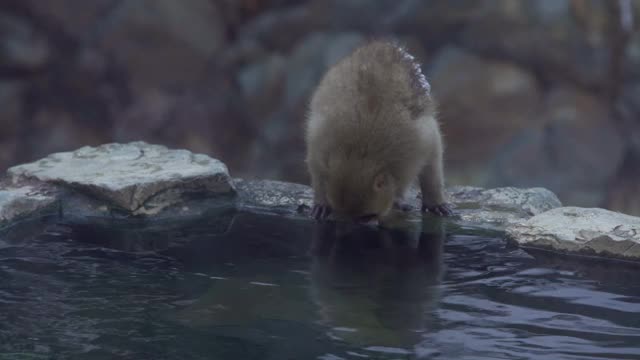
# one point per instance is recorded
(321, 209)
(432, 186)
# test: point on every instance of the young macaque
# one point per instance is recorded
(371, 131)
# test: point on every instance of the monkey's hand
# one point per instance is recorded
(439, 210)
(320, 212)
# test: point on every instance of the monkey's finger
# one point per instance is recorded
(439, 210)
(444, 210)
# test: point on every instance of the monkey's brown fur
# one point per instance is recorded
(371, 131)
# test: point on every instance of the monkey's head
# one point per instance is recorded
(360, 195)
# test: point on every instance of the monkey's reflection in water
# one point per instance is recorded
(377, 287)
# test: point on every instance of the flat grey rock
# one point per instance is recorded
(138, 178)
(491, 208)
(587, 231)
(501, 206)
(273, 195)
(21, 202)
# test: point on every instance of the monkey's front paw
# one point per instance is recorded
(320, 212)
(439, 210)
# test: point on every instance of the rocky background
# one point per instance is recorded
(532, 92)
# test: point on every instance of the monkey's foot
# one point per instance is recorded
(402, 206)
(439, 210)
(320, 212)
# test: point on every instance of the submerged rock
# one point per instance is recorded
(587, 231)
(138, 178)
(21, 202)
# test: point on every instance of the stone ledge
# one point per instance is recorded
(150, 185)
(274, 195)
(500, 207)
(495, 208)
(588, 231)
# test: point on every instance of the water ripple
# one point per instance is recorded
(255, 292)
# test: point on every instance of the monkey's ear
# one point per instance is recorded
(380, 182)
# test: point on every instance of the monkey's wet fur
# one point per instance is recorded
(371, 132)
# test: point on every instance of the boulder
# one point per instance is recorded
(311, 58)
(138, 178)
(197, 120)
(435, 22)
(77, 19)
(279, 29)
(163, 42)
(572, 148)
(626, 182)
(281, 127)
(262, 86)
(561, 39)
(484, 100)
(588, 231)
(360, 15)
(22, 46)
(632, 56)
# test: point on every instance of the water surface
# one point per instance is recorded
(268, 287)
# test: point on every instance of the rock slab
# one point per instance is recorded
(272, 194)
(501, 206)
(589, 231)
(494, 208)
(21, 202)
(136, 177)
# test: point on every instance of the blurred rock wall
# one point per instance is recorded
(532, 92)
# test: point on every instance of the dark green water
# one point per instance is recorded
(267, 287)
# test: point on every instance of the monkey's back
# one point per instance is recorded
(377, 76)
(373, 104)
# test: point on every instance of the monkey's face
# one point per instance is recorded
(357, 199)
